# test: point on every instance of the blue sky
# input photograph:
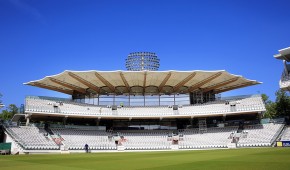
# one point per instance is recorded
(41, 38)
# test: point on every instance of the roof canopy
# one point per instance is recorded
(284, 54)
(140, 82)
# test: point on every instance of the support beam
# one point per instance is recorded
(64, 120)
(144, 83)
(215, 86)
(125, 82)
(68, 85)
(54, 88)
(85, 82)
(98, 122)
(236, 86)
(183, 82)
(106, 82)
(203, 82)
(191, 122)
(27, 121)
(27, 117)
(164, 82)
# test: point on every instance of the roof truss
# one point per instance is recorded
(68, 85)
(162, 84)
(215, 86)
(54, 88)
(203, 82)
(184, 81)
(106, 82)
(235, 87)
(144, 81)
(125, 81)
(85, 82)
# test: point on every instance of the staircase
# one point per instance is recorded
(202, 125)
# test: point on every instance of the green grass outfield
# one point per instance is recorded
(255, 158)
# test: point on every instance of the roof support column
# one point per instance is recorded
(27, 117)
(98, 121)
(191, 122)
(174, 99)
(27, 121)
(64, 120)
(224, 118)
(285, 68)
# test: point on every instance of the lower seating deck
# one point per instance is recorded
(74, 139)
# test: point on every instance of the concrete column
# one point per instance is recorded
(174, 99)
(97, 122)
(191, 122)
(64, 120)
(27, 121)
(224, 118)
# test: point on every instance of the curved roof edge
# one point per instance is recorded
(93, 81)
(284, 54)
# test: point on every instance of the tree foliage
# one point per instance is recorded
(9, 112)
(282, 103)
(279, 108)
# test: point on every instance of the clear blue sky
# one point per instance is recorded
(45, 37)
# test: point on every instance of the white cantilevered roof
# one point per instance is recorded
(284, 54)
(139, 82)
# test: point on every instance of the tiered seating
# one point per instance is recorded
(32, 138)
(253, 103)
(38, 104)
(286, 135)
(146, 140)
(260, 135)
(145, 111)
(284, 81)
(250, 104)
(75, 139)
(213, 138)
(47, 105)
(207, 108)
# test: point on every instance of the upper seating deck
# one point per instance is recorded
(284, 81)
(239, 105)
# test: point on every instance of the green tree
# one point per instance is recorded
(9, 112)
(270, 107)
(282, 103)
(271, 111)
(13, 109)
(279, 108)
(6, 115)
(265, 98)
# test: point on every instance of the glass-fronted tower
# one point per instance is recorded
(139, 61)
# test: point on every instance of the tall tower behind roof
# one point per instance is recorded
(139, 61)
